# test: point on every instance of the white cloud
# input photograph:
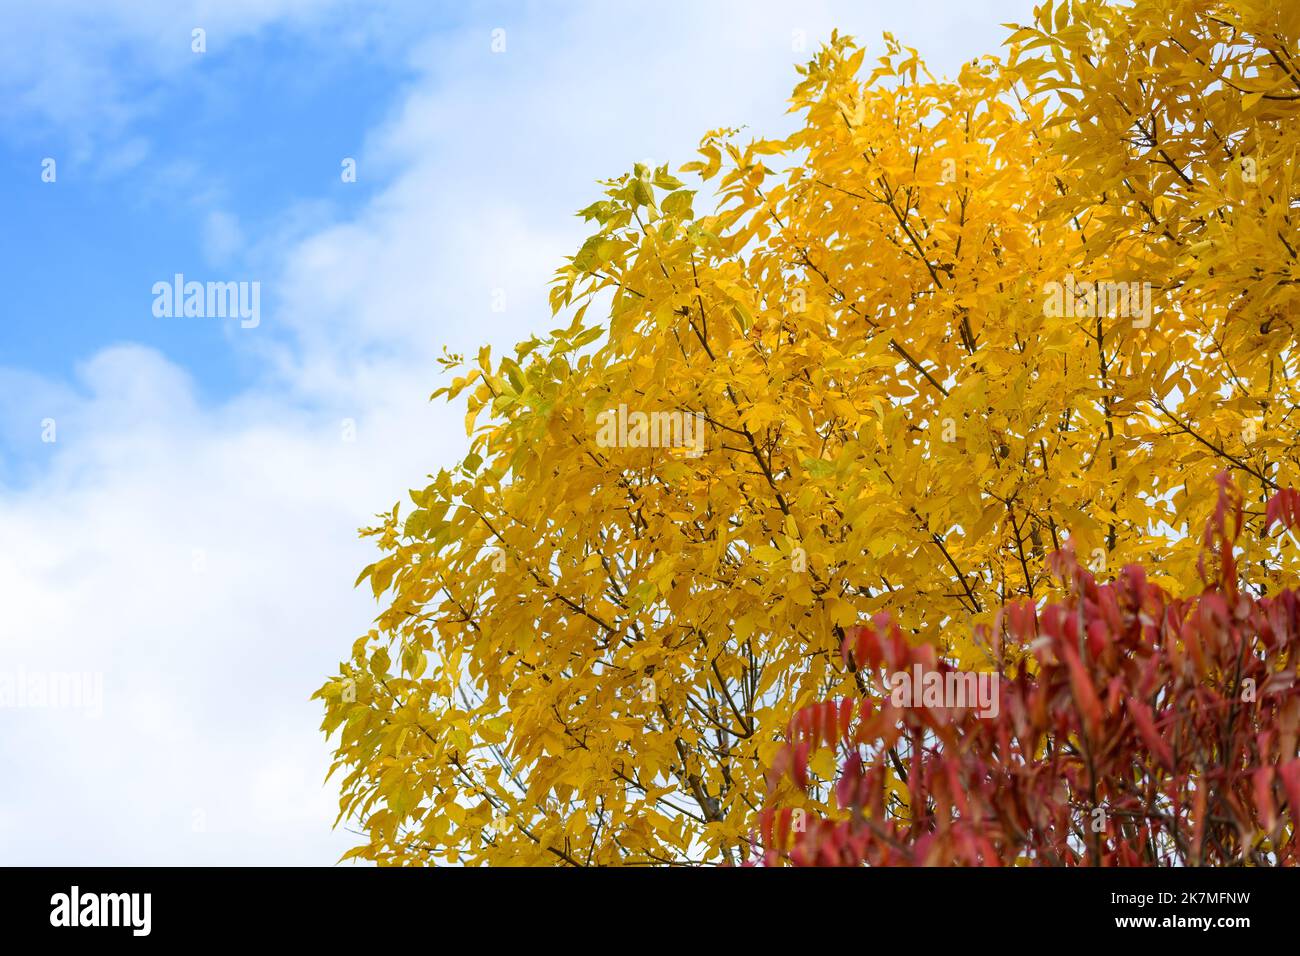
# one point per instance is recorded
(201, 557)
(202, 561)
(87, 70)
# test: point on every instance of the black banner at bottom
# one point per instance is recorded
(346, 904)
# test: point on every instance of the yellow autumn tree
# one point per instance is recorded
(941, 330)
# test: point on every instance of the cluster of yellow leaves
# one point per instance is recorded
(589, 654)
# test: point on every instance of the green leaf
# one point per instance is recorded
(642, 193)
(678, 204)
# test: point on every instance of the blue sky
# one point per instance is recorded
(188, 537)
(227, 147)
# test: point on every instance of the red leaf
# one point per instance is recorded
(1085, 694)
(800, 768)
(1283, 506)
(1290, 774)
(1263, 781)
(1146, 727)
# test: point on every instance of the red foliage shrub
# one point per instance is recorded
(1136, 730)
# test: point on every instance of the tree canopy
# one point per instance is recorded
(943, 330)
